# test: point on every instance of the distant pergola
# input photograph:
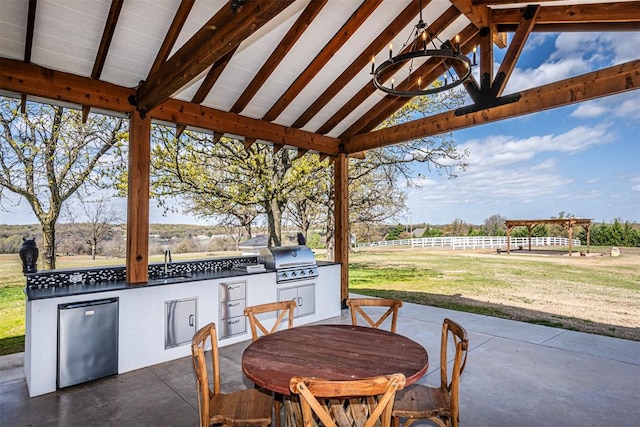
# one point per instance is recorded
(567, 223)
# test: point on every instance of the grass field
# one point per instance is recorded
(597, 294)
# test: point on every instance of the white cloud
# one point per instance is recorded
(502, 150)
(589, 110)
(592, 181)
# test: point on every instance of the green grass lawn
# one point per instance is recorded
(592, 294)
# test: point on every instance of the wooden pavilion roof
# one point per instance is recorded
(565, 222)
(288, 73)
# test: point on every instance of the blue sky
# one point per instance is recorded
(582, 159)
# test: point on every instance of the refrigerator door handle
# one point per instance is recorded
(191, 318)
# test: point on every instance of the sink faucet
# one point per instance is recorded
(167, 260)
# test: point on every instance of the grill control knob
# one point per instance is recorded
(311, 271)
(293, 274)
(284, 275)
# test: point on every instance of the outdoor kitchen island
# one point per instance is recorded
(157, 319)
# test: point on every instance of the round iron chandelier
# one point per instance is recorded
(420, 49)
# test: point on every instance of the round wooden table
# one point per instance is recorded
(333, 352)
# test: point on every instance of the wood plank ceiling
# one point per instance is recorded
(288, 73)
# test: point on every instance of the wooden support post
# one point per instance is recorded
(138, 199)
(570, 227)
(341, 206)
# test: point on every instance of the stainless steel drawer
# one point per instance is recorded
(232, 308)
(232, 291)
(233, 326)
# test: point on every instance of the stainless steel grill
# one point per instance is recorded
(290, 262)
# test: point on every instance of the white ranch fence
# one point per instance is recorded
(475, 242)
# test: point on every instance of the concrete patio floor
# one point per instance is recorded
(517, 374)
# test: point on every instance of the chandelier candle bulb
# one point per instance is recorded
(475, 48)
(419, 83)
(390, 50)
(457, 43)
(393, 80)
(373, 64)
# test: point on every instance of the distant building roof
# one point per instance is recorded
(255, 242)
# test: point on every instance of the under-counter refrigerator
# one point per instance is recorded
(87, 341)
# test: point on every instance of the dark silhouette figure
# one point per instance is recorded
(301, 240)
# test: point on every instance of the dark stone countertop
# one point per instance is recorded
(117, 285)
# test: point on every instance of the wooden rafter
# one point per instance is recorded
(337, 41)
(383, 39)
(620, 12)
(285, 45)
(207, 83)
(449, 15)
(609, 81)
(19, 77)
(515, 49)
(222, 33)
(172, 34)
(202, 117)
(28, 45)
(500, 2)
(477, 14)
(103, 49)
(480, 16)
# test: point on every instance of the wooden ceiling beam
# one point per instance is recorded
(515, 49)
(221, 34)
(609, 81)
(172, 34)
(28, 45)
(504, 2)
(383, 39)
(103, 49)
(20, 77)
(443, 21)
(288, 41)
(337, 41)
(579, 27)
(620, 12)
(198, 116)
(478, 15)
(207, 83)
(30, 79)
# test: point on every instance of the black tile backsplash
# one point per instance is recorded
(91, 276)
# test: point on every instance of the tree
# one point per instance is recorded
(212, 178)
(495, 226)
(457, 228)
(91, 221)
(47, 153)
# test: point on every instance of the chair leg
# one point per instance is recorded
(277, 407)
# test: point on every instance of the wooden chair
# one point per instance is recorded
(370, 400)
(238, 409)
(285, 307)
(438, 404)
(356, 307)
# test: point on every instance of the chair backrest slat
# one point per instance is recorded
(357, 307)
(383, 388)
(286, 309)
